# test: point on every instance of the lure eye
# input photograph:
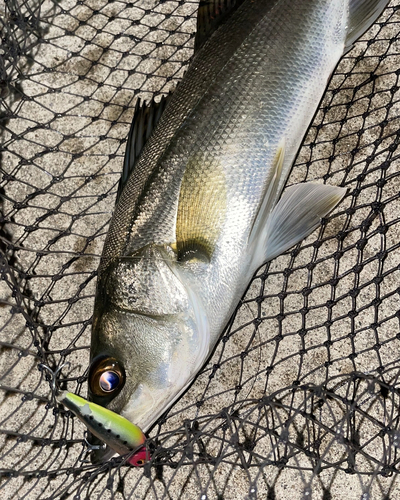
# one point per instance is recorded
(106, 376)
(140, 458)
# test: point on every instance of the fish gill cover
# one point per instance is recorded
(301, 396)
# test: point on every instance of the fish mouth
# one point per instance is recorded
(139, 410)
(102, 453)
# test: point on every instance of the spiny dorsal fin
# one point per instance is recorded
(145, 119)
(201, 209)
(210, 15)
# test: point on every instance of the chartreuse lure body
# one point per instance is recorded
(114, 430)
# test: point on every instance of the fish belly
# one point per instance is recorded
(264, 100)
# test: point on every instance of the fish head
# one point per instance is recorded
(149, 337)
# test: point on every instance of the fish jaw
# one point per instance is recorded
(168, 353)
(147, 403)
(161, 344)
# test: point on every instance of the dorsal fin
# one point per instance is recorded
(145, 119)
(210, 15)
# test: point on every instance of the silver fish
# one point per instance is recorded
(199, 208)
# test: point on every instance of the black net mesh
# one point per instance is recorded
(301, 396)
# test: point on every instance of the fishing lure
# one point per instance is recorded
(114, 430)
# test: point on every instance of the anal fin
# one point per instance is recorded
(362, 14)
(295, 216)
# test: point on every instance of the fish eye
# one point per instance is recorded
(109, 381)
(106, 376)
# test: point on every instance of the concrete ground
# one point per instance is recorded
(300, 398)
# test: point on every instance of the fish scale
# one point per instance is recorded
(205, 68)
(203, 199)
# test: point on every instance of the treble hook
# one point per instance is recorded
(90, 448)
(121, 435)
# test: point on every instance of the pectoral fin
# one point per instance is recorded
(269, 195)
(201, 209)
(296, 215)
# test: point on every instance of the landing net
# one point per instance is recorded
(301, 397)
